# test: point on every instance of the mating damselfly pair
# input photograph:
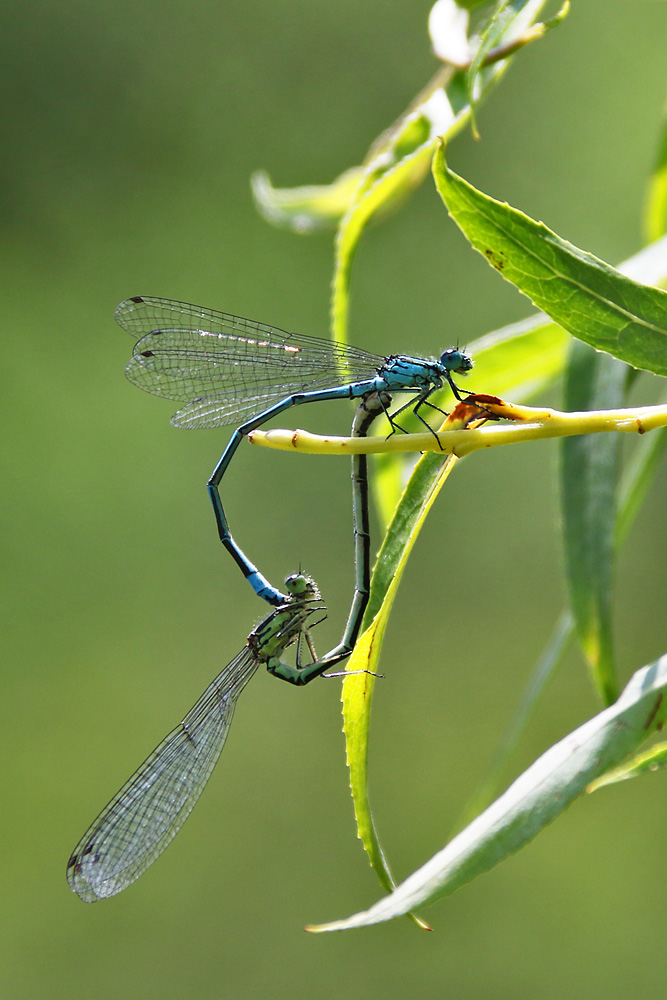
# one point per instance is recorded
(225, 368)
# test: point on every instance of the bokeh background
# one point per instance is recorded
(129, 134)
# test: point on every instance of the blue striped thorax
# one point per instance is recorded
(401, 371)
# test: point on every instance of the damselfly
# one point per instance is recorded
(226, 368)
(142, 818)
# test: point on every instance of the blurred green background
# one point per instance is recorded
(129, 134)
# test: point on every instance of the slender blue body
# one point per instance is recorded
(227, 368)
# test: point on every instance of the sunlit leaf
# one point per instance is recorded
(589, 480)
(427, 480)
(533, 801)
(309, 208)
(589, 298)
(518, 360)
(398, 162)
(357, 693)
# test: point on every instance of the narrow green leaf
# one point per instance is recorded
(655, 208)
(520, 359)
(406, 144)
(397, 163)
(589, 480)
(390, 186)
(591, 299)
(305, 209)
(356, 697)
(426, 482)
(533, 801)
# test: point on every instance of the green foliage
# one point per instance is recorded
(394, 165)
(587, 297)
(589, 483)
(535, 799)
(619, 315)
(129, 138)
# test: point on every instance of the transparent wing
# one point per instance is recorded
(199, 379)
(224, 408)
(186, 352)
(146, 814)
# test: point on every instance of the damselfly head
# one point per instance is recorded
(302, 587)
(456, 361)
